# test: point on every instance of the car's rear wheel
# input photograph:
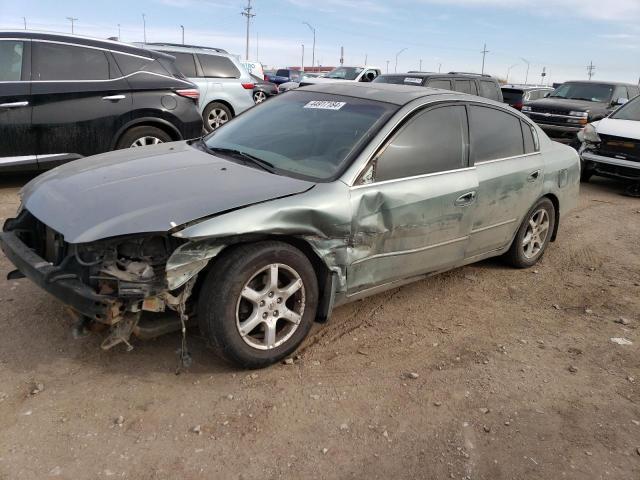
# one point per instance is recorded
(143, 136)
(533, 236)
(215, 115)
(258, 303)
(259, 96)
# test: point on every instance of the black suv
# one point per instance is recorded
(64, 97)
(574, 104)
(474, 83)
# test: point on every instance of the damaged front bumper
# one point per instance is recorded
(62, 285)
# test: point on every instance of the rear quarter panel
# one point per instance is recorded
(561, 173)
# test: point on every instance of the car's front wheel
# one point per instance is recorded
(533, 235)
(258, 303)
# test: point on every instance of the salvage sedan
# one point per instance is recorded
(263, 227)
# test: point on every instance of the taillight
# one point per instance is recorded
(518, 106)
(192, 93)
(248, 86)
(266, 78)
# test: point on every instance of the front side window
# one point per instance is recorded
(11, 60)
(494, 134)
(444, 84)
(629, 111)
(591, 92)
(432, 141)
(215, 66)
(52, 61)
(318, 134)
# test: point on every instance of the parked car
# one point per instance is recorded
(226, 88)
(284, 75)
(255, 69)
(611, 146)
(574, 104)
(475, 84)
(341, 74)
(263, 227)
(284, 87)
(64, 97)
(262, 89)
(518, 95)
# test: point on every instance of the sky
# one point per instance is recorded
(561, 36)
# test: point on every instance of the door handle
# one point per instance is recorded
(466, 199)
(533, 176)
(14, 104)
(114, 98)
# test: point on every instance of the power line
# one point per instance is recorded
(247, 13)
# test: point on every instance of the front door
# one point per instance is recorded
(79, 100)
(510, 173)
(412, 207)
(17, 143)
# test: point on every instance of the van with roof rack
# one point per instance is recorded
(482, 85)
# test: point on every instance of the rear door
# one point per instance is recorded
(412, 207)
(79, 97)
(510, 173)
(17, 143)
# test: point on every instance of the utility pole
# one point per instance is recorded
(302, 62)
(144, 27)
(395, 70)
(420, 69)
(439, 67)
(526, 78)
(247, 13)
(119, 36)
(257, 48)
(542, 75)
(25, 22)
(313, 50)
(182, 28)
(387, 66)
(341, 55)
(591, 68)
(366, 57)
(72, 20)
(484, 54)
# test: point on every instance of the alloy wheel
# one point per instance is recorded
(259, 97)
(144, 141)
(270, 307)
(536, 235)
(216, 118)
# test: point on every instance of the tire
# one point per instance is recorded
(259, 96)
(585, 174)
(142, 136)
(224, 306)
(215, 115)
(633, 190)
(523, 254)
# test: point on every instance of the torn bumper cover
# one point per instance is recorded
(64, 286)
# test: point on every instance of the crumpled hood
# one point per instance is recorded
(619, 128)
(150, 189)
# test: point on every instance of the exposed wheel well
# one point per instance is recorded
(167, 128)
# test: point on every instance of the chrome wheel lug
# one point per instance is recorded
(270, 294)
(279, 300)
(262, 303)
(265, 315)
(275, 313)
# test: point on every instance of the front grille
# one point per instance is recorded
(619, 147)
(552, 111)
(43, 240)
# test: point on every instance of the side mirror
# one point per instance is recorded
(620, 101)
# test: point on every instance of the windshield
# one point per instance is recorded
(315, 135)
(629, 111)
(592, 92)
(282, 73)
(345, 73)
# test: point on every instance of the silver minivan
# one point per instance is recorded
(226, 87)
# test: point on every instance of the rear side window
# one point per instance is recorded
(489, 90)
(215, 66)
(494, 134)
(445, 84)
(129, 64)
(185, 63)
(466, 86)
(51, 61)
(432, 141)
(529, 139)
(11, 60)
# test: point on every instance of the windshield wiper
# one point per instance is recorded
(247, 157)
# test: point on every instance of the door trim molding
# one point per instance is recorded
(496, 225)
(413, 250)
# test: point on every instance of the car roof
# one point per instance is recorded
(442, 75)
(381, 92)
(168, 47)
(81, 40)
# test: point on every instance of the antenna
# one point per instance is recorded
(247, 13)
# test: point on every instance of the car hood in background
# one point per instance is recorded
(313, 81)
(566, 104)
(148, 189)
(619, 128)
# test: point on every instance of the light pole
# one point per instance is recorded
(526, 78)
(313, 50)
(387, 66)
(420, 69)
(25, 22)
(395, 69)
(247, 13)
(509, 70)
(72, 20)
(119, 36)
(144, 27)
(439, 67)
(302, 62)
(182, 28)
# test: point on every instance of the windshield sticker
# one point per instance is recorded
(325, 105)
(412, 80)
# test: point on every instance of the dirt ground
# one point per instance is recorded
(517, 378)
